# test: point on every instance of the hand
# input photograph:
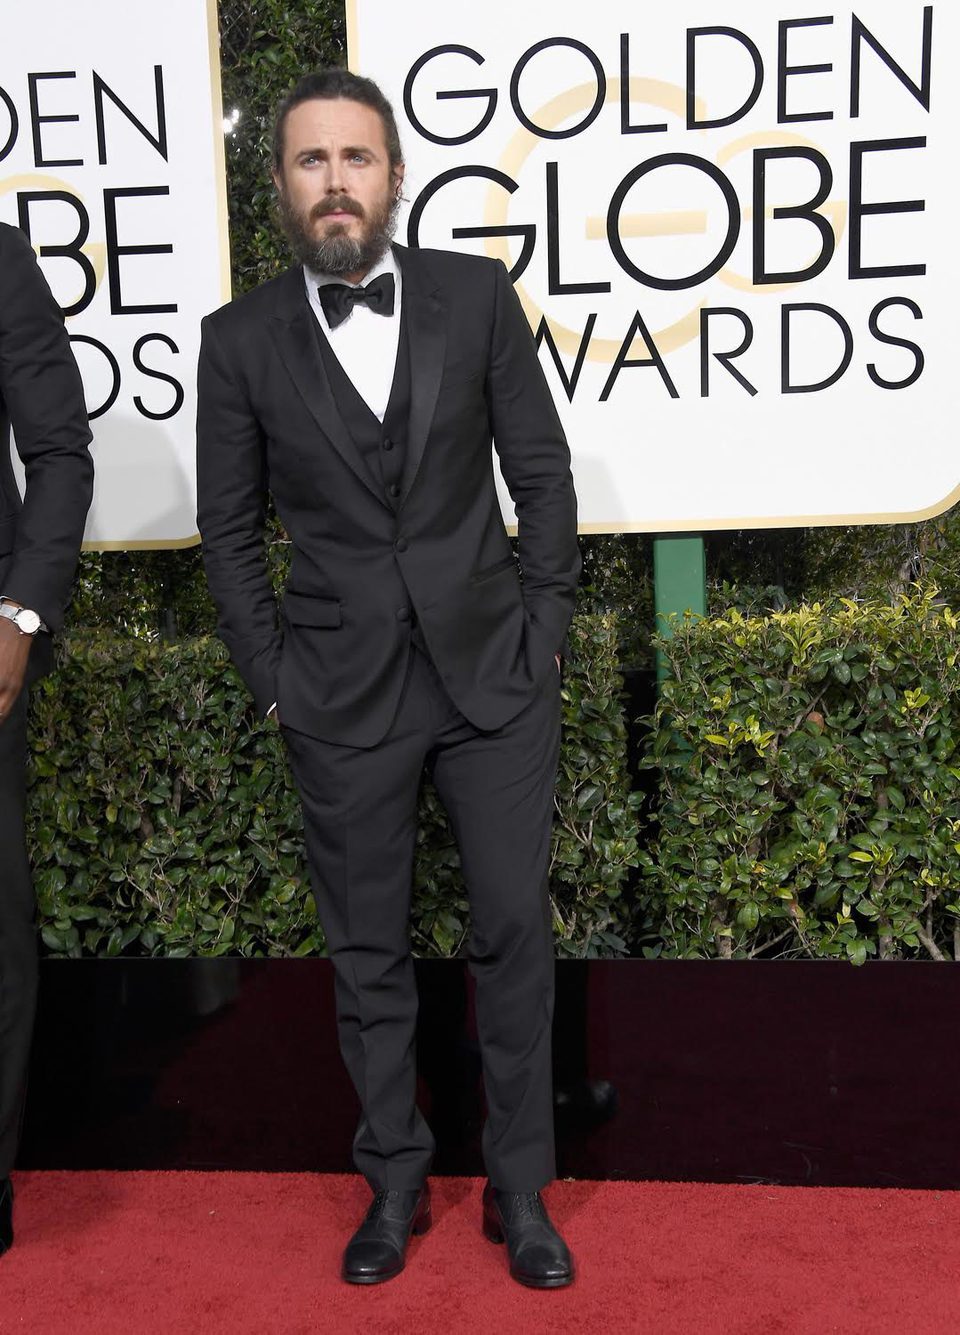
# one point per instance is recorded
(14, 652)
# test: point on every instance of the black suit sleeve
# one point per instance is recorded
(231, 514)
(535, 463)
(41, 391)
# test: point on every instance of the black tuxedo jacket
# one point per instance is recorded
(42, 396)
(268, 421)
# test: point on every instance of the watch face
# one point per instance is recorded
(27, 621)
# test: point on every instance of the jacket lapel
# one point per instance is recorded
(296, 339)
(425, 314)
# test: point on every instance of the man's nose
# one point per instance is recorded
(335, 180)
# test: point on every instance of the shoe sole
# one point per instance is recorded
(560, 1283)
(371, 1279)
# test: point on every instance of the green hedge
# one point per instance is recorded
(805, 773)
(811, 785)
(162, 822)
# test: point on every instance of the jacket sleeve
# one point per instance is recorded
(41, 389)
(231, 516)
(535, 463)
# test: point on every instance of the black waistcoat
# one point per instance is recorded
(382, 446)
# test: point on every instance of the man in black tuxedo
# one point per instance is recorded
(362, 389)
(42, 397)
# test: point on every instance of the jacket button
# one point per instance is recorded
(400, 545)
(394, 490)
(403, 613)
(388, 443)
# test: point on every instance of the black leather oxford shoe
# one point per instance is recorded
(6, 1214)
(538, 1255)
(378, 1249)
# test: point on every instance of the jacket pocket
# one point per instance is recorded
(489, 571)
(301, 609)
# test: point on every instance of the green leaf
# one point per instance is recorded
(749, 917)
(857, 952)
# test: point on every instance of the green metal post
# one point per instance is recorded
(679, 582)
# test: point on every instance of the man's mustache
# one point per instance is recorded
(337, 204)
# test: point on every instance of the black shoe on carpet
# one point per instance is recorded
(378, 1249)
(538, 1255)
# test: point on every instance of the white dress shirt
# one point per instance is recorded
(366, 343)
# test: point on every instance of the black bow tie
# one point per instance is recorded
(338, 300)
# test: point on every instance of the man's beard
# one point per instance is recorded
(335, 252)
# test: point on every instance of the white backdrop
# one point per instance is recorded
(65, 146)
(741, 454)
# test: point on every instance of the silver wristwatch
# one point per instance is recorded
(26, 622)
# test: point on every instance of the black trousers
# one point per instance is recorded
(360, 810)
(18, 945)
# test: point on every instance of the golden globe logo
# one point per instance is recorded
(730, 191)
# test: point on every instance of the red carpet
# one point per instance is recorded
(238, 1253)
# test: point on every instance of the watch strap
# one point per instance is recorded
(11, 610)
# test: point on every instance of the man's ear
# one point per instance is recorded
(398, 179)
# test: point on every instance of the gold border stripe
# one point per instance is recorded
(219, 151)
(136, 545)
(353, 37)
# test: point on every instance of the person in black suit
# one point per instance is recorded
(41, 396)
(362, 389)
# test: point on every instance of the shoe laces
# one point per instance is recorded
(381, 1201)
(529, 1207)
